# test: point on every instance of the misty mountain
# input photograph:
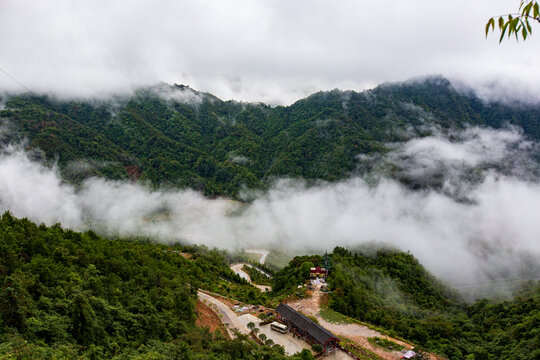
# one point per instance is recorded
(176, 136)
(358, 160)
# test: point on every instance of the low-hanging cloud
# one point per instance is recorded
(273, 51)
(456, 161)
(182, 94)
(494, 234)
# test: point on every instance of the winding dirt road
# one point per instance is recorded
(262, 252)
(355, 332)
(237, 268)
(228, 317)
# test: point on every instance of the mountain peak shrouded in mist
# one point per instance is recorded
(418, 166)
(267, 51)
(220, 146)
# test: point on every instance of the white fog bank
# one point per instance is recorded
(494, 233)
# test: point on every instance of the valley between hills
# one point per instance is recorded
(125, 222)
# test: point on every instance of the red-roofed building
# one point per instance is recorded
(317, 272)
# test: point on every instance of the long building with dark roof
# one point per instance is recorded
(306, 328)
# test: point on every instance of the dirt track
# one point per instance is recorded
(206, 317)
(227, 316)
(237, 268)
(355, 332)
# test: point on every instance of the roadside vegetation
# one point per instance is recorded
(71, 295)
(256, 276)
(386, 344)
(336, 317)
(359, 351)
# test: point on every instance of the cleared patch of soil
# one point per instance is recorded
(311, 306)
(206, 317)
(134, 172)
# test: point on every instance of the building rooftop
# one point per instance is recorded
(313, 329)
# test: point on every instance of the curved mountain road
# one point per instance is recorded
(262, 252)
(237, 268)
(228, 317)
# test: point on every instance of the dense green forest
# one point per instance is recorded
(69, 295)
(175, 136)
(65, 294)
(391, 290)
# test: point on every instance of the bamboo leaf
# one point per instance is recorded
(489, 23)
(503, 32)
(513, 25)
(527, 9)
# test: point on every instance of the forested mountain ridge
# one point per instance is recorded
(173, 135)
(391, 289)
(71, 295)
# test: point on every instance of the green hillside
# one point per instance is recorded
(70, 295)
(391, 290)
(190, 139)
(73, 295)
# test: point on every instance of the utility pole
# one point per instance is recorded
(326, 263)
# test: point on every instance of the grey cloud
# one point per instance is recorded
(238, 159)
(271, 51)
(456, 161)
(183, 95)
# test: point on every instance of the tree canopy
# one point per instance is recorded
(71, 295)
(220, 147)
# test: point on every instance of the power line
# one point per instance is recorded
(17, 81)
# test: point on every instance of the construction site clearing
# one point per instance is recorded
(246, 319)
(301, 332)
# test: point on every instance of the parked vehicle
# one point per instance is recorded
(279, 327)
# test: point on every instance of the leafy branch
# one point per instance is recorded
(517, 24)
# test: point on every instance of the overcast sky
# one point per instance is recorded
(256, 50)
